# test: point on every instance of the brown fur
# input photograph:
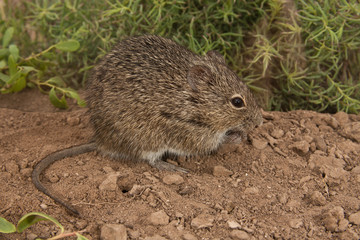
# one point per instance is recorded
(150, 96)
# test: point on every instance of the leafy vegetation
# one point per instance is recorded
(296, 54)
(32, 218)
(19, 72)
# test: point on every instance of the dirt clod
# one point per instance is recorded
(355, 218)
(317, 199)
(239, 235)
(220, 171)
(233, 225)
(175, 179)
(113, 232)
(202, 221)
(259, 144)
(158, 218)
(301, 146)
(109, 184)
(188, 236)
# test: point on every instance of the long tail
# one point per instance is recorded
(50, 159)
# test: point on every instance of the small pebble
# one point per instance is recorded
(357, 178)
(134, 234)
(155, 237)
(304, 179)
(296, 223)
(341, 117)
(251, 190)
(330, 223)
(202, 221)
(113, 232)
(268, 115)
(81, 224)
(23, 163)
(158, 218)
(277, 133)
(189, 236)
(220, 171)
(342, 225)
(12, 167)
(317, 199)
(302, 146)
(352, 131)
(175, 179)
(43, 206)
(136, 190)
(80, 163)
(283, 197)
(332, 122)
(333, 220)
(108, 170)
(110, 183)
(233, 224)
(73, 121)
(259, 144)
(308, 138)
(337, 212)
(320, 144)
(53, 177)
(356, 170)
(355, 218)
(31, 236)
(239, 234)
(312, 147)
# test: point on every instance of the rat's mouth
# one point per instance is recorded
(234, 136)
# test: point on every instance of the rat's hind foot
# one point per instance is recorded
(161, 165)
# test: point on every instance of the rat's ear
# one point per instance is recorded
(198, 74)
(213, 54)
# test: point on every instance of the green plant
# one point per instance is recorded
(97, 25)
(17, 72)
(30, 219)
(298, 54)
(309, 53)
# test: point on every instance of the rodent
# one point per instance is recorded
(150, 96)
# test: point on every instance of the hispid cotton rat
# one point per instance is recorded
(150, 96)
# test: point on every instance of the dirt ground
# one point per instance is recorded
(297, 177)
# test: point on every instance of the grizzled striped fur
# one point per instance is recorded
(151, 96)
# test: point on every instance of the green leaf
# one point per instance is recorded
(68, 46)
(26, 69)
(73, 94)
(80, 237)
(6, 226)
(19, 85)
(4, 77)
(7, 37)
(14, 51)
(59, 103)
(4, 52)
(57, 81)
(14, 78)
(12, 65)
(35, 217)
(2, 64)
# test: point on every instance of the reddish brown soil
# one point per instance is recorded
(298, 177)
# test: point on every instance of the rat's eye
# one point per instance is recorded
(238, 102)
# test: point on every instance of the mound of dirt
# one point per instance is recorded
(297, 177)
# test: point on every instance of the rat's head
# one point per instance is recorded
(223, 101)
